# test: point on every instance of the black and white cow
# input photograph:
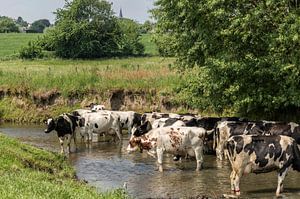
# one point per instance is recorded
(261, 154)
(226, 129)
(129, 119)
(101, 123)
(174, 140)
(65, 126)
(151, 117)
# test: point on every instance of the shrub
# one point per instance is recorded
(31, 51)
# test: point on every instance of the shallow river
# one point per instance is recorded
(107, 166)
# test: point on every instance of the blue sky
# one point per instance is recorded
(31, 10)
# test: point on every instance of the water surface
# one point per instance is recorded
(107, 166)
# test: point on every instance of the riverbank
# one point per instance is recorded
(29, 172)
(31, 91)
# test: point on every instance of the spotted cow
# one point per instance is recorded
(65, 126)
(174, 140)
(261, 154)
(101, 123)
(226, 129)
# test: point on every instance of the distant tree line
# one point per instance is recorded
(8, 25)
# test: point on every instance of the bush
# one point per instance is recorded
(246, 53)
(31, 51)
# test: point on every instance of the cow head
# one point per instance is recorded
(142, 129)
(137, 119)
(96, 108)
(134, 144)
(51, 124)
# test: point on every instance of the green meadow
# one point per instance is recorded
(11, 43)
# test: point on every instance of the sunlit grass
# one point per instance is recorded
(84, 75)
(11, 43)
(28, 172)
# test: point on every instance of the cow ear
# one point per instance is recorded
(149, 126)
(45, 121)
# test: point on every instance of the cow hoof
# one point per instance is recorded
(229, 196)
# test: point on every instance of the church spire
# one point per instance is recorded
(120, 14)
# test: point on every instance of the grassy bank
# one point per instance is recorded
(28, 172)
(31, 90)
(24, 84)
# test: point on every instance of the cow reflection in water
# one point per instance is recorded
(174, 140)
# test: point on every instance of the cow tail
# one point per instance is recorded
(296, 160)
(216, 138)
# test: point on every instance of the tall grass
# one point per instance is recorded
(85, 75)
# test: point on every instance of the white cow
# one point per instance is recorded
(174, 140)
(102, 123)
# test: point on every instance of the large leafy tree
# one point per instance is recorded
(244, 54)
(84, 29)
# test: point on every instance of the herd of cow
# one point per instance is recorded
(250, 146)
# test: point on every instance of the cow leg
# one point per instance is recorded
(118, 131)
(232, 176)
(61, 141)
(160, 159)
(236, 181)
(75, 142)
(69, 138)
(281, 176)
(199, 158)
(218, 153)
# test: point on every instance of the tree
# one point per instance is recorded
(21, 22)
(129, 42)
(7, 25)
(84, 29)
(147, 27)
(242, 56)
(39, 26)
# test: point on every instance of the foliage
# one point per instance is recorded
(39, 26)
(246, 53)
(21, 22)
(129, 41)
(147, 27)
(148, 43)
(84, 29)
(7, 25)
(31, 51)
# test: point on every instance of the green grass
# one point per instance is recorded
(11, 43)
(82, 76)
(150, 47)
(29, 172)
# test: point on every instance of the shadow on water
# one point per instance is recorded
(107, 166)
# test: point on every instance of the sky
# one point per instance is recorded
(32, 10)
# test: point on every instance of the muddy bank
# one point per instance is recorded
(24, 106)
